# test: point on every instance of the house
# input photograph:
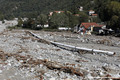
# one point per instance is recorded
(87, 28)
(94, 15)
(64, 28)
(76, 15)
(51, 13)
(42, 26)
(96, 28)
(91, 12)
(46, 25)
(80, 8)
(59, 11)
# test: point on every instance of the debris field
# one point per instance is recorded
(25, 57)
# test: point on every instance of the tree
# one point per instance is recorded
(110, 13)
(20, 22)
(72, 20)
(113, 8)
(58, 20)
(74, 8)
(1, 16)
(113, 14)
(83, 17)
(100, 8)
(30, 23)
(114, 22)
(42, 19)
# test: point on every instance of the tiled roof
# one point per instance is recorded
(90, 10)
(94, 14)
(76, 15)
(87, 25)
(58, 11)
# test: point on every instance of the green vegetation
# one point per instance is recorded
(58, 20)
(37, 11)
(20, 22)
(1, 16)
(42, 19)
(109, 11)
(33, 8)
(30, 24)
(113, 11)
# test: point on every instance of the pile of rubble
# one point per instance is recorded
(64, 37)
(24, 57)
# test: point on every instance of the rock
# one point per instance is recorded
(32, 69)
(53, 65)
(9, 64)
(52, 79)
(0, 71)
(47, 75)
(68, 79)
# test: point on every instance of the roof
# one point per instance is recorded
(94, 14)
(76, 15)
(87, 25)
(91, 10)
(99, 25)
(58, 11)
(51, 13)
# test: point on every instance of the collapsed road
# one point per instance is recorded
(24, 57)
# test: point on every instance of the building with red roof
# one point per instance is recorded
(89, 27)
(94, 15)
(51, 13)
(91, 12)
(76, 15)
(59, 11)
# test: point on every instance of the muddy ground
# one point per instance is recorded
(24, 57)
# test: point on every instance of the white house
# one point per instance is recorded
(64, 28)
(46, 26)
(81, 8)
(91, 12)
(51, 13)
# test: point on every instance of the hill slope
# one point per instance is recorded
(32, 8)
(35, 7)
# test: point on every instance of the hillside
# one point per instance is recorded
(34, 7)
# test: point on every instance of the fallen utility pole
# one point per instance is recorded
(84, 49)
(76, 48)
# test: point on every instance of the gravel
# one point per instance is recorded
(92, 66)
